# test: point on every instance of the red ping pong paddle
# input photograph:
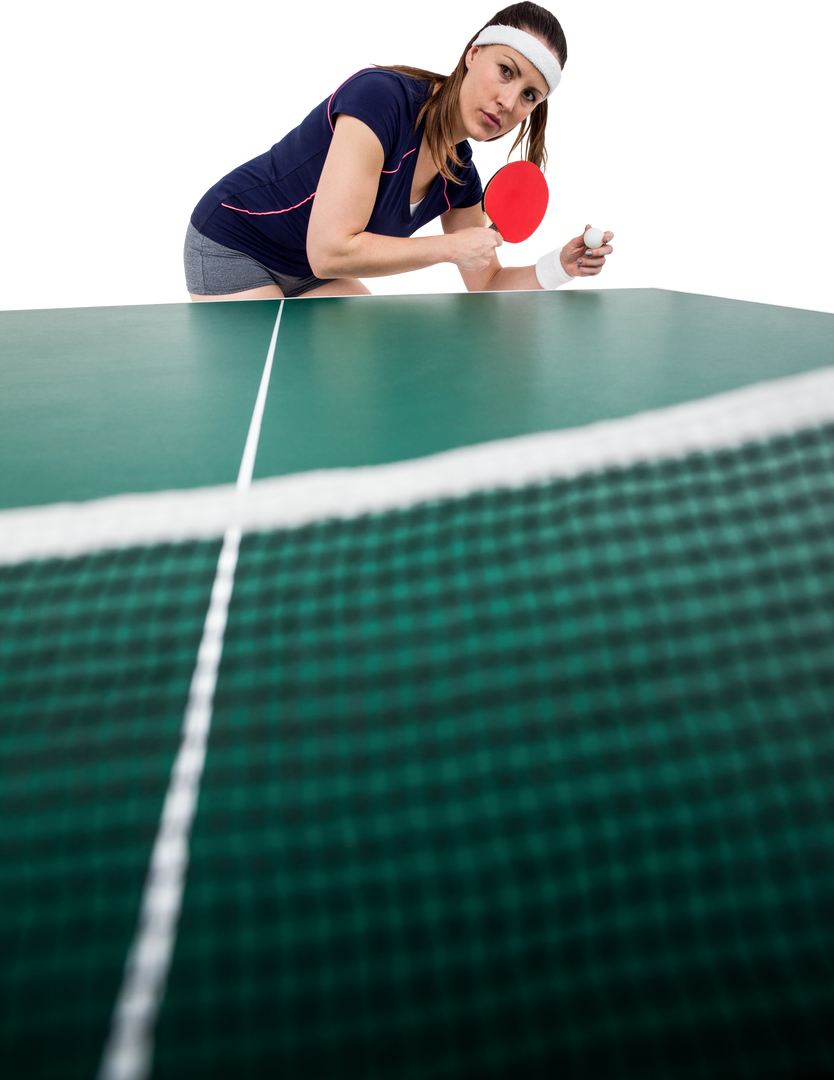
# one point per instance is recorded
(515, 200)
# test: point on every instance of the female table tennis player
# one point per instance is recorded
(339, 197)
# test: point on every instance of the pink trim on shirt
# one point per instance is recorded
(267, 213)
(389, 172)
(336, 91)
(445, 196)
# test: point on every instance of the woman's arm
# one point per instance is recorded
(337, 243)
(494, 276)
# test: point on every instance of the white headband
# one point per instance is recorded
(530, 47)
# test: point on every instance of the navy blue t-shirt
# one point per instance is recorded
(263, 207)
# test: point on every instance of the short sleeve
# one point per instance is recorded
(378, 99)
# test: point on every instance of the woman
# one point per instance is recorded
(339, 197)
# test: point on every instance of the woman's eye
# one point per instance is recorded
(532, 96)
(505, 70)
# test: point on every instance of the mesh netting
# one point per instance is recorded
(532, 780)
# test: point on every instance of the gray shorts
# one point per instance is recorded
(214, 270)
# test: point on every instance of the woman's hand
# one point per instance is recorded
(577, 263)
(472, 249)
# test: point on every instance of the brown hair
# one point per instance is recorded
(441, 107)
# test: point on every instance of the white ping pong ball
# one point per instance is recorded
(593, 238)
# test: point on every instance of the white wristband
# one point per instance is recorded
(550, 272)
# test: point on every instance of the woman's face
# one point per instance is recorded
(501, 88)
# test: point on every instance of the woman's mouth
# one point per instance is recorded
(491, 120)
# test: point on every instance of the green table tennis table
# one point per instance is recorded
(418, 688)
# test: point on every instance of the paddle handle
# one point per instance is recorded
(492, 225)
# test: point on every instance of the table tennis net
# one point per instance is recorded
(530, 778)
